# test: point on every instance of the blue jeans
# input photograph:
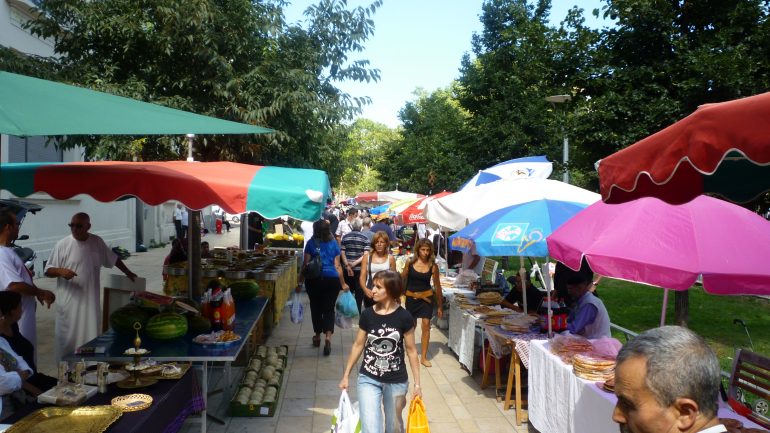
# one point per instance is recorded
(373, 397)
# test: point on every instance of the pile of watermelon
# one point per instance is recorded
(154, 324)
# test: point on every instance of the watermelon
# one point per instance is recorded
(198, 324)
(122, 320)
(243, 290)
(166, 326)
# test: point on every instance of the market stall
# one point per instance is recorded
(561, 402)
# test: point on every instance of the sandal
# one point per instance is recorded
(327, 348)
(316, 341)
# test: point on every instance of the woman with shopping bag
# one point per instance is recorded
(385, 335)
(323, 278)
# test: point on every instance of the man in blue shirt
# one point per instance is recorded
(589, 317)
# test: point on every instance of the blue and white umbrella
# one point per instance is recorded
(518, 230)
(519, 168)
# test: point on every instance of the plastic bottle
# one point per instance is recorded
(228, 311)
(216, 310)
(542, 313)
(564, 311)
(205, 304)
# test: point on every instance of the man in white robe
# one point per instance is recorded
(16, 277)
(77, 261)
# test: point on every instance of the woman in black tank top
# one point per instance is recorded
(417, 274)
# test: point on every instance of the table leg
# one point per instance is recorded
(205, 380)
(485, 375)
(517, 368)
(509, 385)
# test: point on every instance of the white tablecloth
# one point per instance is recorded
(560, 402)
(462, 334)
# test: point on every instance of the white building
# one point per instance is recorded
(124, 223)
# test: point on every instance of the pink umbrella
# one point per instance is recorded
(653, 242)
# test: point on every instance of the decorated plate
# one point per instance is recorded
(219, 338)
(132, 402)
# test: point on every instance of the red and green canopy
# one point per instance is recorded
(237, 188)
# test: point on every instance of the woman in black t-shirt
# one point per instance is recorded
(386, 333)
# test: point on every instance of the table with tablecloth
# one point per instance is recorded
(462, 334)
(172, 402)
(560, 402)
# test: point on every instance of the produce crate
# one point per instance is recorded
(264, 409)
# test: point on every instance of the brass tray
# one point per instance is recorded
(132, 402)
(86, 419)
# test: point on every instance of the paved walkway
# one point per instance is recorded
(453, 399)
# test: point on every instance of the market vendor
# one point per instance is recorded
(588, 317)
(514, 299)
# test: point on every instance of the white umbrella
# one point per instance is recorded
(519, 168)
(457, 210)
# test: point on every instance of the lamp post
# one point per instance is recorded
(561, 99)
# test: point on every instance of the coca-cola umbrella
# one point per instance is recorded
(721, 148)
(271, 191)
(413, 213)
(385, 196)
(650, 241)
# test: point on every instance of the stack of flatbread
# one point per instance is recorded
(593, 367)
(518, 323)
(489, 298)
(609, 385)
(567, 346)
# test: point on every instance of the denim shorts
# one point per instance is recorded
(374, 398)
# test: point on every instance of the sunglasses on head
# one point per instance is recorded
(76, 226)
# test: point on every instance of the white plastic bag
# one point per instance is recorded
(345, 418)
(297, 310)
(342, 321)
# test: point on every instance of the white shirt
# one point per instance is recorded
(185, 217)
(78, 310)
(10, 381)
(177, 214)
(716, 429)
(12, 270)
(307, 232)
(343, 228)
(468, 259)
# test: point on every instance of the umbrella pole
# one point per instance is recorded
(546, 265)
(523, 272)
(665, 307)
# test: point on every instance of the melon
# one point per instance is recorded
(197, 324)
(122, 320)
(166, 326)
(244, 290)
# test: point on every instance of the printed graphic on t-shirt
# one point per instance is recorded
(381, 355)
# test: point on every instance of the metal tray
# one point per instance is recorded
(87, 419)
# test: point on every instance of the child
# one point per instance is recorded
(385, 331)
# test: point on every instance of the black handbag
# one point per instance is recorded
(314, 267)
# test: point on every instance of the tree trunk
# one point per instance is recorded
(682, 307)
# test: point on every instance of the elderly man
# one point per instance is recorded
(77, 261)
(667, 380)
(354, 245)
(588, 317)
(14, 276)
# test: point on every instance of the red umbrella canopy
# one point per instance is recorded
(237, 188)
(413, 213)
(721, 148)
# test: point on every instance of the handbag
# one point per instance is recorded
(314, 267)
(345, 418)
(418, 419)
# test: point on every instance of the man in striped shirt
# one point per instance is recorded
(353, 245)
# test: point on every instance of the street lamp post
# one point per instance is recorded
(561, 99)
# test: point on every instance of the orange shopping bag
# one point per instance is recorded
(418, 419)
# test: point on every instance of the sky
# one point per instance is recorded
(419, 44)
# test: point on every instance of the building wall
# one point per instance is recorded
(115, 222)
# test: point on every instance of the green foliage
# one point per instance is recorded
(363, 150)
(435, 151)
(232, 59)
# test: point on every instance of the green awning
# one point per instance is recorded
(31, 106)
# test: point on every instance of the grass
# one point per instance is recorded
(637, 307)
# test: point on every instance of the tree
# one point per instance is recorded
(366, 141)
(435, 152)
(520, 60)
(232, 59)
